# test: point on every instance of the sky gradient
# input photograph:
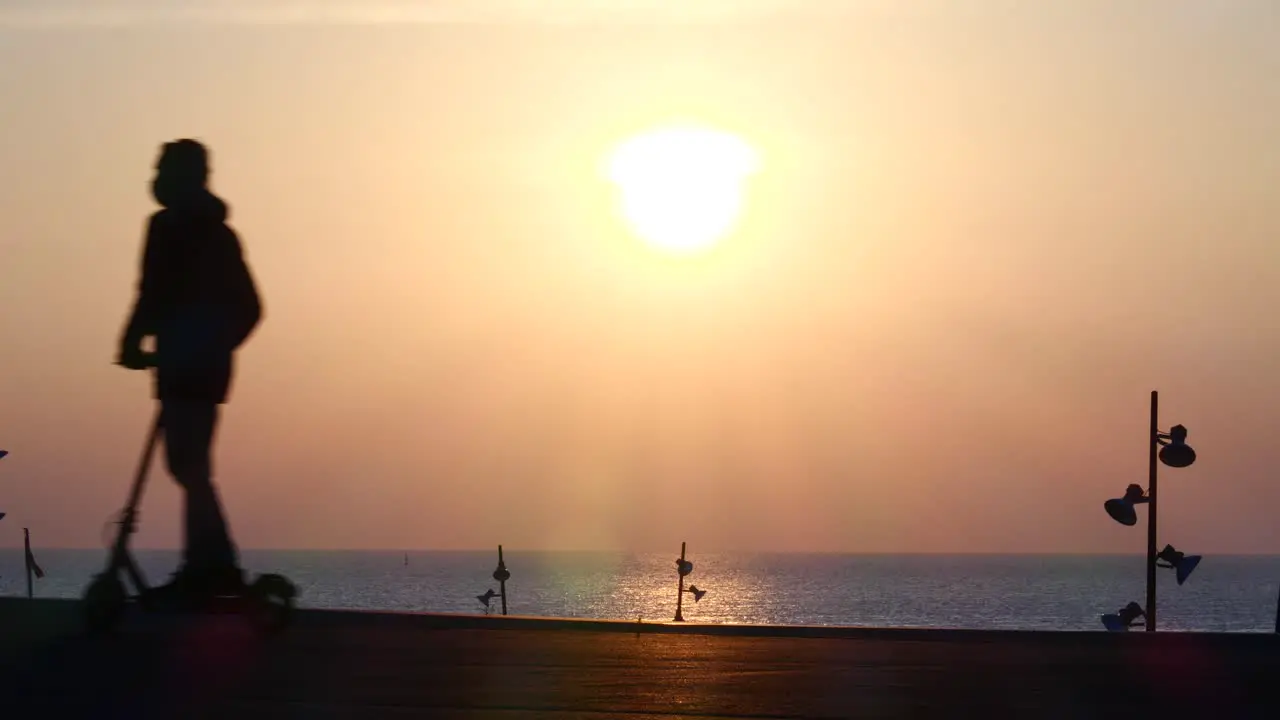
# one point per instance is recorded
(980, 235)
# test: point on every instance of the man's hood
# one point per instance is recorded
(195, 203)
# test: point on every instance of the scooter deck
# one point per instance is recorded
(219, 604)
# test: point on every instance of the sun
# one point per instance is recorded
(681, 188)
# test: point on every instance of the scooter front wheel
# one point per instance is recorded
(103, 602)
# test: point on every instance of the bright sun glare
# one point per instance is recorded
(682, 187)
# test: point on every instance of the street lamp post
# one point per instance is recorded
(502, 575)
(1171, 449)
(1153, 476)
(683, 569)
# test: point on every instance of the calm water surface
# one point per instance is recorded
(1055, 592)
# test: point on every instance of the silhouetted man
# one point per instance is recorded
(197, 298)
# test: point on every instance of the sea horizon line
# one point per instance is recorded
(624, 551)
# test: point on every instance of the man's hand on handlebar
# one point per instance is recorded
(135, 358)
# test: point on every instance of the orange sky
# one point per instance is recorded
(981, 234)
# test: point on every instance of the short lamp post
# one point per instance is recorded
(1170, 448)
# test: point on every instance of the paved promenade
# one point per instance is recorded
(380, 665)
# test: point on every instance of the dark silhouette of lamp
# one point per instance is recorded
(1121, 509)
(697, 594)
(1180, 563)
(1175, 453)
(1124, 618)
(1171, 449)
(502, 575)
(3, 453)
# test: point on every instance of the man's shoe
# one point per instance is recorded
(227, 580)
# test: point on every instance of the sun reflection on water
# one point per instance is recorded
(645, 586)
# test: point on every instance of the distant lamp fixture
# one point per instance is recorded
(1180, 563)
(1121, 509)
(502, 575)
(684, 568)
(3, 453)
(1124, 618)
(1175, 453)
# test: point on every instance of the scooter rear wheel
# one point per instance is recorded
(103, 602)
(271, 600)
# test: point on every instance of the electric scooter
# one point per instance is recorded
(268, 602)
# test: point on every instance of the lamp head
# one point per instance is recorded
(697, 594)
(501, 574)
(1181, 563)
(1121, 509)
(487, 596)
(684, 567)
(1124, 618)
(1177, 454)
(3, 453)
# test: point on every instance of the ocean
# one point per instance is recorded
(1031, 592)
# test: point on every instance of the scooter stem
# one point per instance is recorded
(140, 480)
(120, 558)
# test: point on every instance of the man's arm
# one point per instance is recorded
(142, 321)
(245, 300)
